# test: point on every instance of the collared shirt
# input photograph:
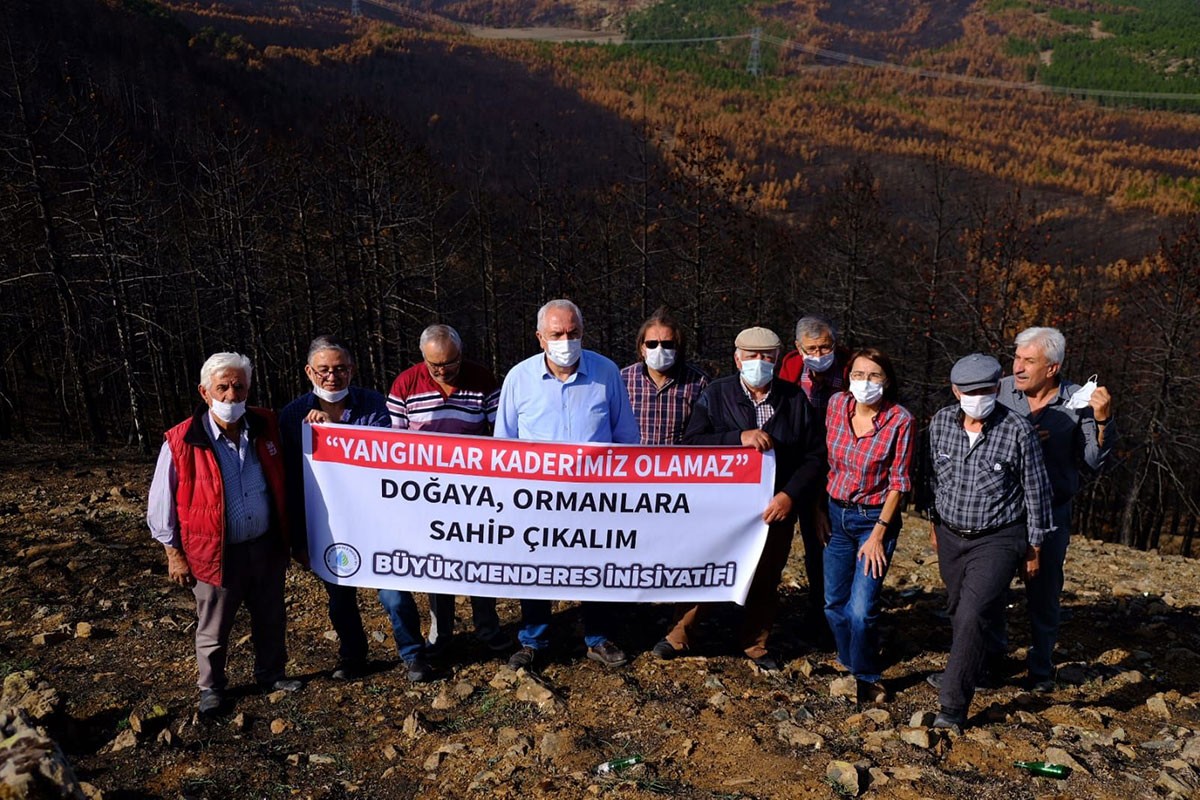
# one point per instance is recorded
(417, 402)
(247, 498)
(996, 482)
(590, 406)
(763, 410)
(365, 407)
(864, 469)
(663, 412)
(1073, 444)
(833, 380)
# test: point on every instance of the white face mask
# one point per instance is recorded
(757, 372)
(564, 352)
(1083, 395)
(866, 392)
(330, 397)
(977, 406)
(227, 412)
(819, 363)
(660, 358)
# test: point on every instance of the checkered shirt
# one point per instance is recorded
(663, 413)
(863, 470)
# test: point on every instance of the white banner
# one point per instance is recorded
(504, 518)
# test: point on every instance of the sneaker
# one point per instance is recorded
(665, 651)
(282, 685)
(871, 692)
(607, 654)
(497, 642)
(522, 659)
(348, 670)
(767, 662)
(949, 721)
(210, 703)
(419, 670)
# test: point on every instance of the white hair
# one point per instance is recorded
(558, 304)
(1050, 340)
(814, 327)
(219, 362)
(440, 333)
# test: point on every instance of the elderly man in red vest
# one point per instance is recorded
(217, 506)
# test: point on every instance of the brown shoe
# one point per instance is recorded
(871, 693)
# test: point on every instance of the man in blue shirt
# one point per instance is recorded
(330, 367)
(565, 394)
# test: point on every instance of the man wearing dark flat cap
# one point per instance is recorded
(755, 409)
(991, 510)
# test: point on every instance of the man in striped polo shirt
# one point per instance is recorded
(446, 394)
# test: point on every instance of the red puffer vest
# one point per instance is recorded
(200, 495)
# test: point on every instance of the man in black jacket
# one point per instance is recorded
(753, 409)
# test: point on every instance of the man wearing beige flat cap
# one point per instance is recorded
(754, 409)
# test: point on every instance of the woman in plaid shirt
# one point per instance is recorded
(870, 441)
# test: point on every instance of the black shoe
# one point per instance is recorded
(934, 679)
(419, 670)
(607, 654)
(349, 670)
(1041, 685)
(210, 703)
(282, 685)
(665, 651)
(948, 720)
(767, 662)
(522, 659)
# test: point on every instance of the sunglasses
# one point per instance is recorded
(667, 344)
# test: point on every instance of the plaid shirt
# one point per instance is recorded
(996, 482)
(663, 414)
(763, 410)
(863, 470)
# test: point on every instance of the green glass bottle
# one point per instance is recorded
(1044, 769)
(618, 764)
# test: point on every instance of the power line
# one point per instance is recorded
(847, 58)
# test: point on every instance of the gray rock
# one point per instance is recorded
(126, 740)
(414, 726)
(1157, 706)
(844, 687)
(793, 735)
(25, 691)
(921, 719)
(843, 776)
(1056, 755)
(483, 781)
(1181, 783)
(556, 745)
(719, 701)
(918, 737)
(319, 759)
(1190, 752)
(31, 763)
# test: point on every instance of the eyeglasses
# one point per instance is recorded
(444, 365)
(817, 350)
(325, 372)
(667, 344)
(873, 377)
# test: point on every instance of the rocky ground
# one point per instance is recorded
(96, 650)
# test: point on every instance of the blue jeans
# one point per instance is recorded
(852, 598)
(535, 623)
(406, 622)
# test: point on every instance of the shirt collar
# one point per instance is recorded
(215, 433)
(750, 397)
(580, 369)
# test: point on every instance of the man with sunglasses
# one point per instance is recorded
(662, 385)
(445, 393)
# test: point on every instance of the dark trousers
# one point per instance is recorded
(762, 601)
(347, 622)
(253, 576)
(976, 573)
(814, 560)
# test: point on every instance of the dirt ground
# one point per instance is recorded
(74, 549)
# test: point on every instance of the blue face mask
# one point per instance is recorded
(819, 363)
(757, 372)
